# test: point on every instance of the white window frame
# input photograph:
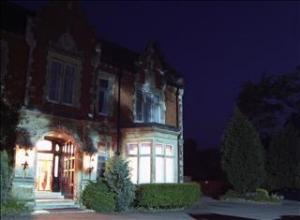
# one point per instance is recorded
(153, 155)
(138, 156)
(164, 156)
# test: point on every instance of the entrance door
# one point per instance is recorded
(44, 171)
(68, 171)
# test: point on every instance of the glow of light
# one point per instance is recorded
(24, 156)
(56, 166)
(44, 145)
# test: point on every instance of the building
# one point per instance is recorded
(84, 99)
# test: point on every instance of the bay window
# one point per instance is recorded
(149, 107)
(141, 157)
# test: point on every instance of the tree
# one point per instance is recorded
(9, 120)
(283, 160)
(242, 154)
(270, 103)
(117, 177)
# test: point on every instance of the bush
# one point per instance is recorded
(167, 195)
(5, 177)
(14, 207)
(117, 177)
(261, 195)
(97, 196)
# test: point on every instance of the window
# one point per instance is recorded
(103, 96)
(164, 163)
(140, 159)
(62, 78)
(148, 107)
(102, 157)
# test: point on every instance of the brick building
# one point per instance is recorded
(84, 99)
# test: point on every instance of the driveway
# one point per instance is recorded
(206, 208)
(246, 210)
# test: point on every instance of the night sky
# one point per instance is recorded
(216, 46)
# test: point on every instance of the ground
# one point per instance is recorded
(216, 209)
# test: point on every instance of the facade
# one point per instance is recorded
(84, 99)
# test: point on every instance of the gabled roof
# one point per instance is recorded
(116, 55)
(14, 18)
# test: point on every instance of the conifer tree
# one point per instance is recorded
(242, 154)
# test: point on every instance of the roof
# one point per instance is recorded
(14, 17)
(117, 55)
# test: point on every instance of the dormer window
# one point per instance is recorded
(149, 107)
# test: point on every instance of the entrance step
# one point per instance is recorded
(48, 195)
(42, 204)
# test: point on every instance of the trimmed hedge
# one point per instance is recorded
(168, 195)
(97, 196)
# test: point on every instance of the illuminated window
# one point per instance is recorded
(139, 161)
(148, 107)
(164, 164)
(141, 157)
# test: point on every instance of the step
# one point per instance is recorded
(55, 204)
(48, 195)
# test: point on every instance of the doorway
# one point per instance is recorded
(55, 168)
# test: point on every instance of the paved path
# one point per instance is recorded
(246, 210)
(124, 216)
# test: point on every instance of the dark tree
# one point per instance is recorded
(242, 154)
(9, 120)
(283, 160)
(191, 161)
(269, 103)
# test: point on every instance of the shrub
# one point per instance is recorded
(5, 177)
(14, 207)
(242, 154)
(261, 195)
(117, 177)
(97, 196)
(167, 195)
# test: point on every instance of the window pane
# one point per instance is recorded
(132, 149)
(147, 109)
(101, 166)
(54, 80)
(159, 149)
(68, 87)
(159, 170)
(144, 170)
(139, 102)
(145, 149)
(169, 170)
(133, 167)
(169, 150)
(103, 83)
(103, 98)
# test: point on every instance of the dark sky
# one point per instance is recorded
(216, 46)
